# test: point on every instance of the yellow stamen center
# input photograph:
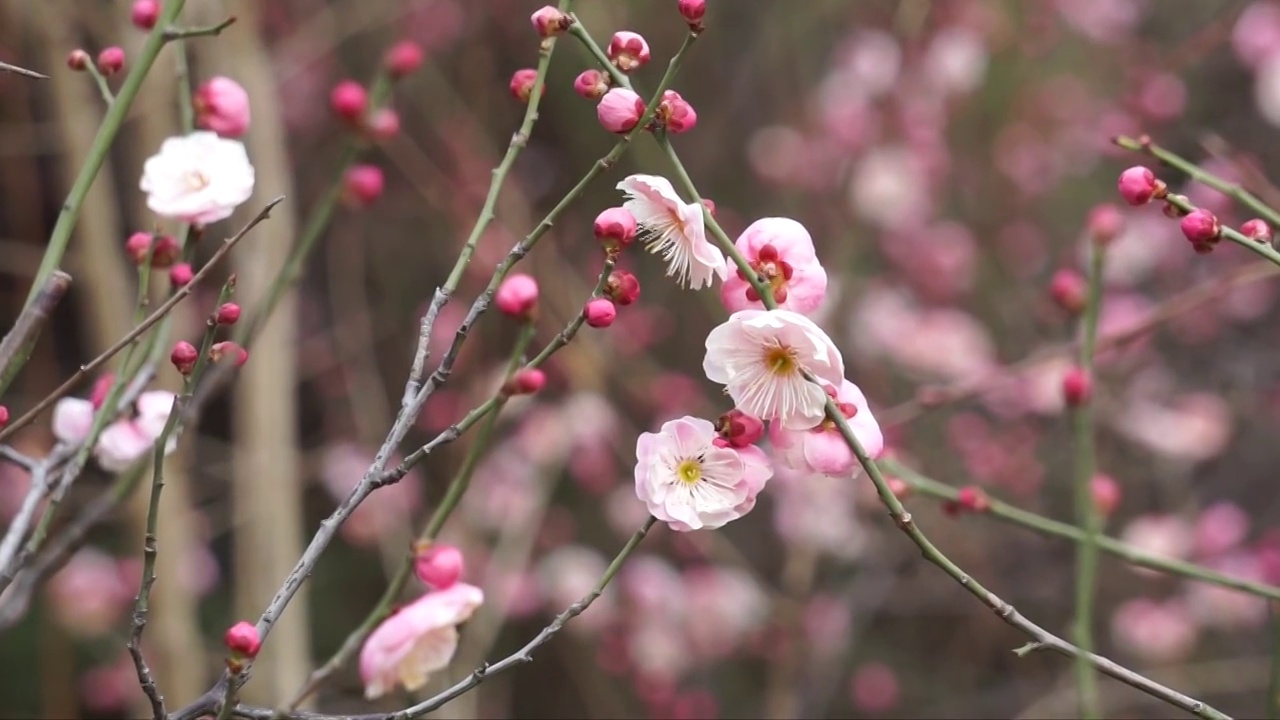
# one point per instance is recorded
(781, 360)
(689, 471)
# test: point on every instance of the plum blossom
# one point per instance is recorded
(673, 228)
(1155, 631)
(761, 356)
(123, 441)
(689, 482)
(198, 178)
(416, 641)
(822, 450)
(780, 250)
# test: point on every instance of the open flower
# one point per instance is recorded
(673, 228)
(822, 450)
(780, 250)
(690, 481)
(124, 440)
(198, 178)
(418, 640)
(761, 357)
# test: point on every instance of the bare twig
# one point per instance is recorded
(17, 344)
(173, 33)
(6, 67)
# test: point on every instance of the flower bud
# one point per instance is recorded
(111, 60)
(1105, 492)
(692, 12)
(438, 566)
(549, 22)
(101, 386)
(180, 274)
(1138, 185)
(525, 381)
(222, 105)
(349, 100)
(898, 487)
(1077, 387)
(622, 287)
(972, 498)
(362, 185)
(522, 82)
(710, 206)
(1257, 230)
(242, 639)
(4, 416)
(144, 14)
(619, 110)
(184, 357)
(78, 59)
(1068, 289)
(227, 314)
(230, 349)
(628, 50)
(615, 228)
(1105, 223)
(740, 429)
(1202, 229)
(600, 312)
(403, 58)
(383, 125)
(517, 296)
(677, 114)
(165, 252)
(591, 84)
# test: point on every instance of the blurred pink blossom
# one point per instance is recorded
(1256, 35)
(956, 61)
(89, 596)
(874, 687)
(818, 511)
(565, 575)
(1162, 535)
(1220, 527)
(1155, 631)
(1103, 21)
(890, 188)
(111, 688)
(724, 605)
(384, 513)
(1191, 427)
(1216, 606)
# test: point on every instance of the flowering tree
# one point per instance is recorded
(791, 415)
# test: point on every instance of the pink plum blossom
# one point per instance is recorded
(780, 250)
(198, 178)
(123, 441)
(89, 595)
(1155, 631)
(674, 229)
(761, 357)
(688, 481)
(822, 450)
(620, 110)
(418, 640)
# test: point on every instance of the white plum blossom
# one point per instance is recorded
(761, 357)
(690, 481)
(674, 229)
(198, 178)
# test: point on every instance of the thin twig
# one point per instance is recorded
(172, 33)
(21, 338)
(6, 67)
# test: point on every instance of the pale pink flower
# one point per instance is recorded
(689, 482)
(1162, 535)
(1221, 527)
(818, 511)
(890, 187)
(1155, 631)
(1193, 427)
(673, 228)
(956, 61)
(654, 587)
(416, 641)
(761, 356)
(1256, 35)
(222, 105)
(781, 250)
(567, 574)
(822, 450)
(724, 606)
(1221, 607)
(198, 178)
(89, 596)
(127, 439)
(72, 418)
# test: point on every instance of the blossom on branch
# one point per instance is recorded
(781, 251)
(198, 178)
(822, 450)
(673, 228)
(417, 640)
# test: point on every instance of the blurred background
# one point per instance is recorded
(944, 156)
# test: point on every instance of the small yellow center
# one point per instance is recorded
(780, 360)
(197, 180)
(689, 471)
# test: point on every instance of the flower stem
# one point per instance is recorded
(1086, 514)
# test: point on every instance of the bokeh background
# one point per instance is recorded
(944, 156)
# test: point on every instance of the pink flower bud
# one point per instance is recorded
(227, 314)
(740, 429)
(180, 274)
(165, 253)
(973, 499)
(677, 115)
(710, 206)
(1138, 185)
(517, 296)
(144, 14)
(403, 58)
(692, 11)
(4, 416)
(1068, 288)
(600, 312)
(349, 100)
(362, 185)
(101, 387)
(383, 125)
(111, 60)
(615, 228)
(1201, 228)
(522, 82)
(591, 84)
(628, 50)
(526, 381)
(242, 639)
(184, 357)
(549, 21)
(1106, 494)
(1077, 387)
(230, 349)
(78, 59)
(619, 110)
(1105, 223)
(438, 566)
(1257, 230)
(622, 287)
(899, 488)
(222, 105)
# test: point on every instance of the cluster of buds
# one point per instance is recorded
(163, 249)
(350, 101)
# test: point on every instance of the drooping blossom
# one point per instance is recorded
(198, 178)
(761, 356)
(688, 481)
(416, 641)
(822, 450)
(674, 229)
(780, 250)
